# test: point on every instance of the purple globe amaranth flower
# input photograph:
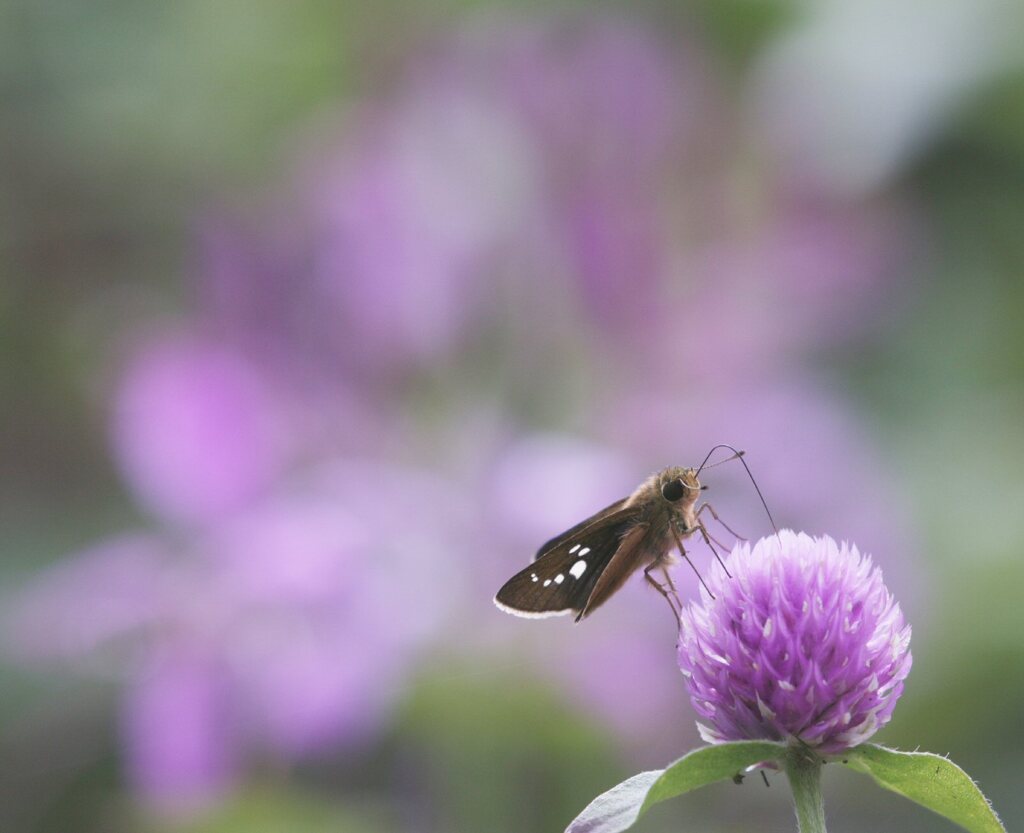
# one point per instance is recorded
(804, 641)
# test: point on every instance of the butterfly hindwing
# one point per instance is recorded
(562, 579)
(630, 555)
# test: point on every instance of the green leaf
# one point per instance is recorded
(930, 780)
(620, 807)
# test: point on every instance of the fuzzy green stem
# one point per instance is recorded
(803, 768)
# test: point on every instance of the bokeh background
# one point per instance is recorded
(317, 318)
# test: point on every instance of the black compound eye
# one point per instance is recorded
(673, 490)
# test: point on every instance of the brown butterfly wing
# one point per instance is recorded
(562, 580)
(573, 532)
(630, 555)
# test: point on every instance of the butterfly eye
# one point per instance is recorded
(673, 490)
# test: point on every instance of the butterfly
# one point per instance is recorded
(579, 570)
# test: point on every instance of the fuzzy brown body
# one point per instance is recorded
(583, 567)
(661, 514)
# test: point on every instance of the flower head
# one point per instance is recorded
(804, 641)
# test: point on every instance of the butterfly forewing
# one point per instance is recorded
(574, 532)
(562, 578)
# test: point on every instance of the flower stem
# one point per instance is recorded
(803, 768)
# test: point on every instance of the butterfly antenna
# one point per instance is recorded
(705, 465)
(738, 455)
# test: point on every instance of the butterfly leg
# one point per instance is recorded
(714, 514)
(672, 586)
(682, 552)
(707, 540)
(651, 580)
(712, 537)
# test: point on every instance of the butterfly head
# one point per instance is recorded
(679, 486)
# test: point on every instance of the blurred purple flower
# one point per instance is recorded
(180, 729)
(637, 172)
(92, 600)
(526, 141)
(615, 245)
(405, 218)
(545, 482)
(257, 293)
(804, 641)
(601, 92)
(195, 430)
(309, 640)
(613, 111)
(570, 171)
(286, 629)
(248, 286)
(807, 275)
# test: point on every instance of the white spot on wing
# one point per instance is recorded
(584, 551)
(577, 569)
(559, 578)
(574, 549)
(533, 576)
(547, 581)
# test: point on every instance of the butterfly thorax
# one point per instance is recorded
(667, 499)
